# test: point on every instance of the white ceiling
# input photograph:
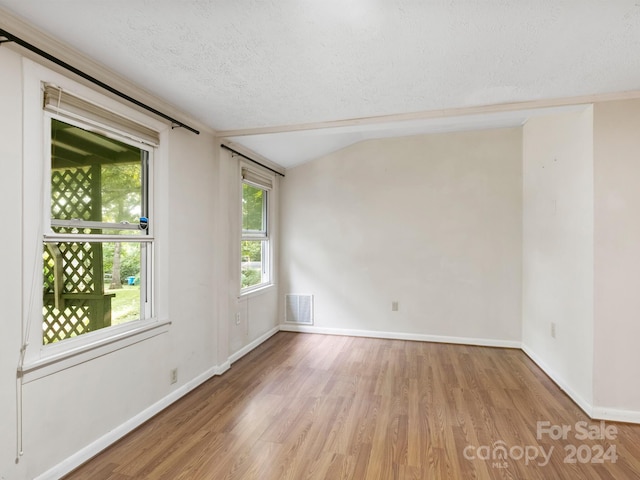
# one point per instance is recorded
(247, 64)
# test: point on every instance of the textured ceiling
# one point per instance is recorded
(242, 64)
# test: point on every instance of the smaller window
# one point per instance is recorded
(255, 257)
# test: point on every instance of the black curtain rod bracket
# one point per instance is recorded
(8, 37)
(251, 160)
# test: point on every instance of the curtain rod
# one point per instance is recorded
(8, 37)
(251, 159)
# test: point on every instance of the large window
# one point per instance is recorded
(97, 249)
(255, 256)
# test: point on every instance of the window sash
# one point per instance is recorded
(146, 192)
(265, 266)
(264, 233)
(79, 223)
(96, 237)
(255, 236)
(63, 291)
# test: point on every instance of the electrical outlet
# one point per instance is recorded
(173, 376)
(394, 306)
(237, 319)
(553, 330)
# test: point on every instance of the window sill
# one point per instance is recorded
(59, 356)
(254, 292)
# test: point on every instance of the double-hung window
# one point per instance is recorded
(98, 237)
(255, 247)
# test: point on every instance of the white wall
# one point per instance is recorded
(617, 259)
(433, 222)
(10, 248)
(193, 167)
(558, 248)
(66, 415)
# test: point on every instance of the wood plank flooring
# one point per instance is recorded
(306, 406)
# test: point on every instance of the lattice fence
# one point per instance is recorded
(73, 193)
(74, 300)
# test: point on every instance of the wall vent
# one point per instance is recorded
(298, 309)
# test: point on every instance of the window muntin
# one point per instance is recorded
(255, 237)
(97, 253)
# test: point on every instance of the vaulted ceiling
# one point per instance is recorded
(266, 67)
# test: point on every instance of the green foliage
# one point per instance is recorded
(253, 208)
(121, 201)
(129, 259)
(251, 254)
(121, 192)
(130, 262)
(251, 250)
(250, 277)
(107, 257)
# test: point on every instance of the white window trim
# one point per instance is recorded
(81, 349)
(257, 172)
(256, 290)
(39, 360)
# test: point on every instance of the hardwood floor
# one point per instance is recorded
(306, 406)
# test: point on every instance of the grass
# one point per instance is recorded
(125, 306)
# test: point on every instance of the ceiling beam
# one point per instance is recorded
(433, 114)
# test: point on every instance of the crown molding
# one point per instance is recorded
(22, 29)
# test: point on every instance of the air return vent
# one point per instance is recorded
(298, 309)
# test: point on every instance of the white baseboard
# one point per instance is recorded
(586, 406)
(594, 412)
(77, 459)
(482, 342)
(615, 415)
(247, 348)
(224, 367)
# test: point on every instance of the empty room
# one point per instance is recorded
(296, 240)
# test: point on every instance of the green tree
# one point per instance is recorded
(253, 208)
(121, 202)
